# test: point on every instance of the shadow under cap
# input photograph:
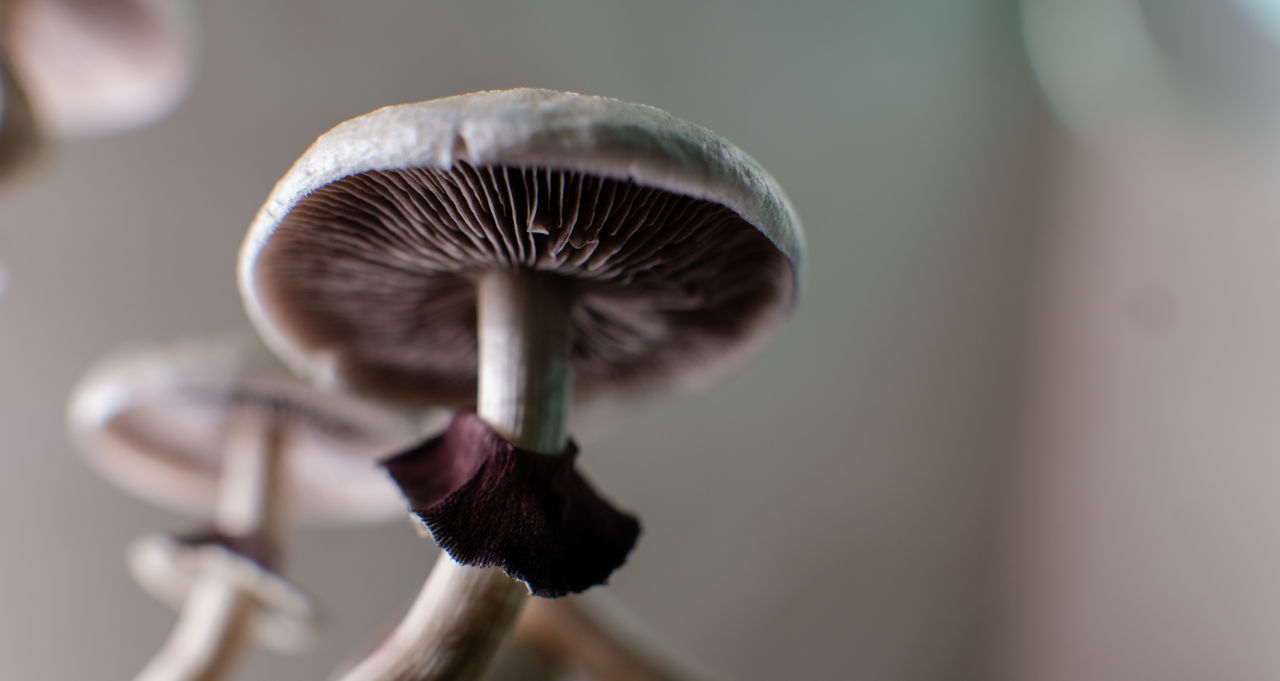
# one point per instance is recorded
(680, 251)
(19, 134)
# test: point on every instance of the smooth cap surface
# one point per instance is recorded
(681, 252)
(154, 420)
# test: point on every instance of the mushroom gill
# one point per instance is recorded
(383, 264)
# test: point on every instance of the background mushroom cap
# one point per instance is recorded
(154, 420)
(286, 619)
(95, 67)
(360, 268)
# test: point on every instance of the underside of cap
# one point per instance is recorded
(378, 271)
(680, 251)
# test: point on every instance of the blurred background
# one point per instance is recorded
(1020, 427)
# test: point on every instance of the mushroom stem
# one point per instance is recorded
(596, 634)
(451, 631)
(247, 504)
(210, 630)
(525, 369)
(462, 614)
(214, 620)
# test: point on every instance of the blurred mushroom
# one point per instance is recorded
(219, 428)
(18, 135)
(1098, 67)
(96, 67)
(169, 568)
(1115, 71)
(510, 248)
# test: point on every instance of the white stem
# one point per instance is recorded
(525, 373)
(462, 614)
(211, 629)
(213, 624)
(452, 630)
(247, 504)
(595, 633)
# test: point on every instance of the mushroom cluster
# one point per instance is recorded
(508, 252)
(219, 429)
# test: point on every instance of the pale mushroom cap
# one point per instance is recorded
(154, 421)
(286, 619)
(96, 67)
(552, 145)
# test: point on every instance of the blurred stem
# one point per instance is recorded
(213, 625)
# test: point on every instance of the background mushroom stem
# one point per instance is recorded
(248, 504)
(525, 384)
(210, 630)
(213, 624)
(595, 633)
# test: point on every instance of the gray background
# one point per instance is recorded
(826, 513)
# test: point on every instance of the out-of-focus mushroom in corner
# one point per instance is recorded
(509, 250)
(221, 430)
(72, 69)
(101, 67)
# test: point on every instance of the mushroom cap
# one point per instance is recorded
(154, 421)
(286, 619)
(682, 253)
(102, 66)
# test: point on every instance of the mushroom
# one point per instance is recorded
(510, 249)
(169, 568)
(100, 67)
(73, 69)
(220, 428)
